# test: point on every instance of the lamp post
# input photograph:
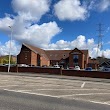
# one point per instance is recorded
(10, 49)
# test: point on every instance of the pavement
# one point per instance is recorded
(64, 87)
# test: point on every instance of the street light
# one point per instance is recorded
(10, 49)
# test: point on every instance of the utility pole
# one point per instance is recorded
(100, 44)
(10, 49)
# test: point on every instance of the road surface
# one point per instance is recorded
(43, 93)
(23, 101)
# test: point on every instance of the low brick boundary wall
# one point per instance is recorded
(58, 71)
(92, 74)
(31, 70)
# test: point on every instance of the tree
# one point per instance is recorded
(5, 60)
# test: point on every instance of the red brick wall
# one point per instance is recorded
(80, 59)
(33, 58)
(45, 61)
(24, 57)
(58, 71)
(31, 70)
(92, 74)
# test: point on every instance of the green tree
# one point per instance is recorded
(5, 60)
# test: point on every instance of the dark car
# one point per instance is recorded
(88, 69)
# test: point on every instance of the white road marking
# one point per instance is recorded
(83, 84)
(56, 82)
(97, 102)
(83, 94)
(104, 103)
(67, 89)
(4, 80)
(24, 92)
(8, 85)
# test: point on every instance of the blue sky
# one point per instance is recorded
(55, 24)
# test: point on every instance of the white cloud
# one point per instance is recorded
(22, 25)
(70, 10)
(5, 23)
(97, 5)
(31, 10)
(5, 48)
(39, 35)
(107, 53)
(91, 4)
(81, 43)
(103, 5)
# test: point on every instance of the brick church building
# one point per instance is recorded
(67, 58)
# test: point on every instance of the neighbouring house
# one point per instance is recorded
(67, 58)
(94, 63)
(105, 64)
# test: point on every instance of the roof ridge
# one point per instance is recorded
(32, 46)
(34, 50)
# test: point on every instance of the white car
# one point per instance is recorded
(23, 65)
(56, 66)
(76, 68)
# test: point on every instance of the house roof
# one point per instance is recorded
(37, 50)
(85, 52)
(54, 54)
(95, 61)
(57, 54)
(105, 62)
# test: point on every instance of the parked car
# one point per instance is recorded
(76, 68)
(71, 67)
(23, 65)
(11, 65)
(88, 69)
(44, 65)
(105, 69)
(56, 66)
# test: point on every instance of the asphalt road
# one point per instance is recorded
(22, 101)
(23, 92)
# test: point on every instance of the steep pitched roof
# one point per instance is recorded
(37, 50)
(105, 62)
